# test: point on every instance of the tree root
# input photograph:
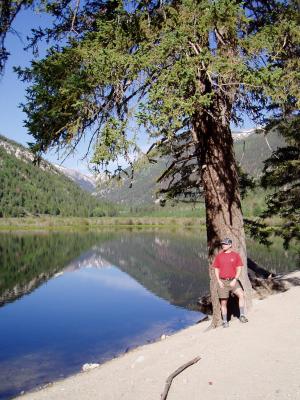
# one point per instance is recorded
(263, 284)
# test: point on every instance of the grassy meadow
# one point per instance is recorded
(180, 214)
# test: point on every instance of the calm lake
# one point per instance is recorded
(67, 299)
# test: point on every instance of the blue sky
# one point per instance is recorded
(12, 91)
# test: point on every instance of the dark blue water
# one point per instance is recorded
(88, 309)
(88, 315)
(71, 299)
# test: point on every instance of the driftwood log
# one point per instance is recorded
(175, 373)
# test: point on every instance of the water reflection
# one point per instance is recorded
(28, 260)
(173, 266)
(68, 299)
(88, 298)
(87, 315)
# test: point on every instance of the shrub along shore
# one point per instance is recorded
(69, 223)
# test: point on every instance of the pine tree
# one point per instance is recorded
(282, 174)
(184, 71)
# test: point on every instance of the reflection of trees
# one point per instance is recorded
(171, 265)
(274, 259)
(166, 264)
(29, 260)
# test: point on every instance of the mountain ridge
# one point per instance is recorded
(27, 189)
(251, 149)
(86, 181)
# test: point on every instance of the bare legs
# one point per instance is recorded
(224, 309)
(240, 294)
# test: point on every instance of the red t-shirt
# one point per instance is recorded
(227, 264)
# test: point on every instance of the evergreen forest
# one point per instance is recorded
(26, 190)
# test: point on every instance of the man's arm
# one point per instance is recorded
(237, 274)
(217, 273)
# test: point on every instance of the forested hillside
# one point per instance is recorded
(26, 189)
(250, 151)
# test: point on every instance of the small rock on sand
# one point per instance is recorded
(87, 367)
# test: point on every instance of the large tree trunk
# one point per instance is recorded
(223, 206)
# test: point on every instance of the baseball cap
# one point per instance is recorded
(226, 241)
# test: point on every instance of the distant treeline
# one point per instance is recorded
(26, 189)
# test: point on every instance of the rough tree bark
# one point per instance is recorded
(222, 200)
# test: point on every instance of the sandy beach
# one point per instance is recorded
(257, 360)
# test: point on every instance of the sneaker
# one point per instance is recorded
(243, 319)
(225, 324)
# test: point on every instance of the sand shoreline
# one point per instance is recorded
(258, 360)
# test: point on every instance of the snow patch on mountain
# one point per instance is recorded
(241, 135)
(86, 181)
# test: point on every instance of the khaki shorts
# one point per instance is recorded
(223, 293)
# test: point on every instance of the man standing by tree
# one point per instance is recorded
(228, 265)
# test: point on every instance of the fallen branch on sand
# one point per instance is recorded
(175, 373)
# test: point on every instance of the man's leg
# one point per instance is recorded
(240, 294)
(224, 312)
